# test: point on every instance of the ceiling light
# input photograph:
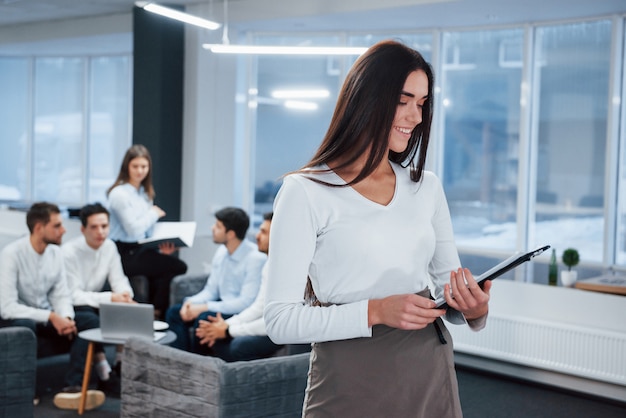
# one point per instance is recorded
(177, 15)
(283, 50)
(294, 104)
(300, 94)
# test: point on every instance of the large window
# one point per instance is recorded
(520, 136)
(14, 126)
(65, 123)
(480, 77)
(293, 101)
(572, 74)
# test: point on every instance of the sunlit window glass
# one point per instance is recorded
(293, 102)
(480, 102)
(572, 74)
(109, 123)
(58, 130)
(620, 241)
(14, 128)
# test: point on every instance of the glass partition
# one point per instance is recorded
(109, 122)
(480, 103)
(571, 73)
(58, 130)
(14, 128)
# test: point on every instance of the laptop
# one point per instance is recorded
(118, 321)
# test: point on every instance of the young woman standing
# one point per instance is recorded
(370, 230)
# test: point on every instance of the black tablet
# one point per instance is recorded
(498, 270)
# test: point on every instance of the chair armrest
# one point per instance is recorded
(160, 380)
(186, 285)
(18, 362)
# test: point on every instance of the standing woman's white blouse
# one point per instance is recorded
(132, 217)
(353, 249)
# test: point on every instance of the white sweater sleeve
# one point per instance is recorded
(292, 245)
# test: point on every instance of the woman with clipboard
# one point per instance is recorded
(133, 216)
(370, 228)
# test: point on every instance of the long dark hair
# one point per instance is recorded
(136, 151)
(366, 108)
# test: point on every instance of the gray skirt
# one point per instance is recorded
(395, 373)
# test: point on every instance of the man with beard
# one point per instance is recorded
(34, 294)
(232, 286)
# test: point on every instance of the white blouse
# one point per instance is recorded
(353, 249)
(132, 217)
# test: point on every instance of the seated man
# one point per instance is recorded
(243, 336)
(34, 294)
(231, 287)
(90, 261)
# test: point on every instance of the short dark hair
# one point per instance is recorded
(40, 213)
(268, 216)
(234, 219)
(91, 209)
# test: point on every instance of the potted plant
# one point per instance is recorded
(570, 258)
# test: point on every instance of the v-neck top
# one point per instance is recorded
(353, 249)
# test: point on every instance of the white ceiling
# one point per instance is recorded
(279, 15)
(26, 25)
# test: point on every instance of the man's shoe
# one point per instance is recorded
(111, 386)
(69, 398)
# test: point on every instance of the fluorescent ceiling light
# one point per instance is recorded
(283, 50)
(294, 104)
(177, 15)
(300, 94)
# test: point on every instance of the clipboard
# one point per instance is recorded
(499, 269)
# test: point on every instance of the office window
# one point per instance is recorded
(290, 127)
(110, 122)
(293, 101)
(58, 130)
(66, 123)
(479, 102)
(14, 128)
(620, 239)
(571, 73)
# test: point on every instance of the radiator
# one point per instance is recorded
(585, 352)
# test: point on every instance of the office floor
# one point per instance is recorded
(483, 395)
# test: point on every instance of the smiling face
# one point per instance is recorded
(138, 169)
(409, 110)
(97, 230)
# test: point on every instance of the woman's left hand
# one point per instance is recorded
(167, 248)
(465, 295)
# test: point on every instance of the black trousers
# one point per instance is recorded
(159, 268)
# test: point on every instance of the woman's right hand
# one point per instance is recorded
(408, 311)
(159, 211)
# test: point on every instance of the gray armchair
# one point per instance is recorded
(18, 363)
(161, 381)
(186, 285)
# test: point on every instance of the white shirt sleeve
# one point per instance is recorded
(250, 321)
(292, 245)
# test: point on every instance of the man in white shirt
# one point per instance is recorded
(243, 336)
(34, 294)
(92, 260)
(232, 286)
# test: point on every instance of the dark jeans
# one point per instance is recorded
(186, 331)
(159, 268)
(244, 348)
(47, 334)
